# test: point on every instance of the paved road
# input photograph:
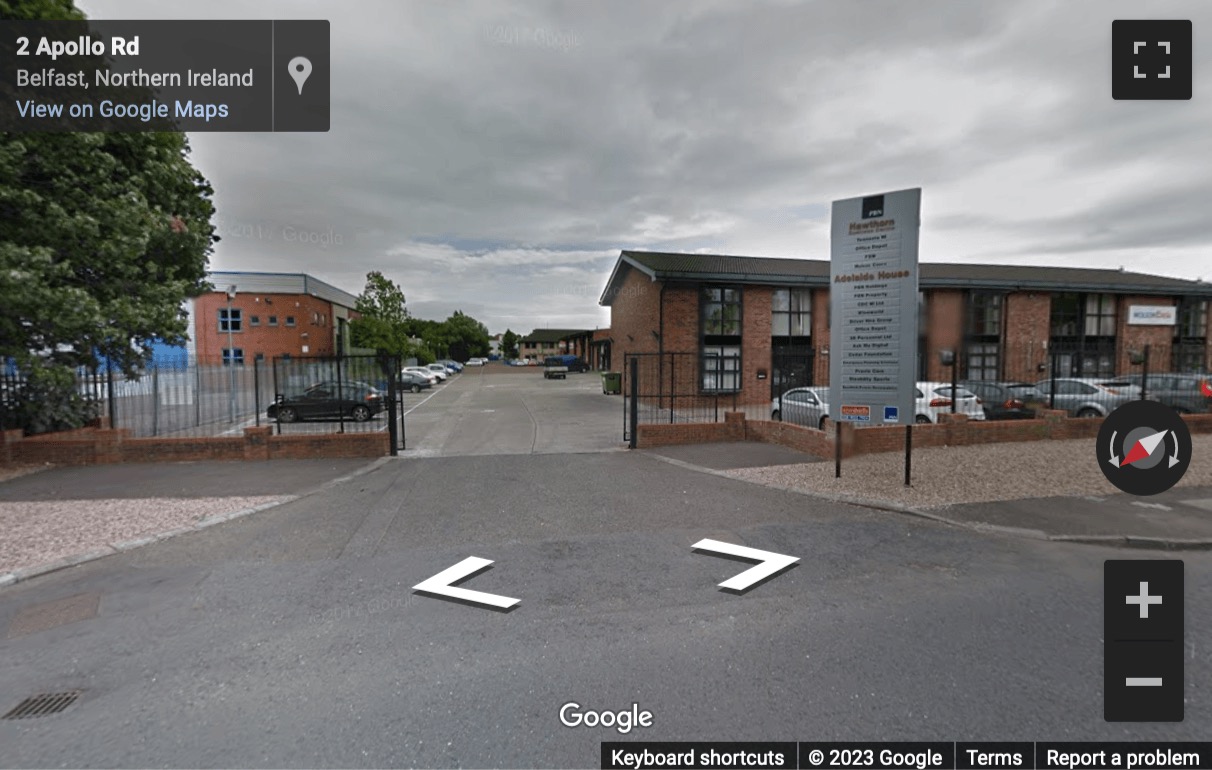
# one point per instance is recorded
(482, 411)
(292, 637)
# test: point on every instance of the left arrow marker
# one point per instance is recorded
(440, 584)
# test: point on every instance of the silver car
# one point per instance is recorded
(802, 406)
(1088, 396)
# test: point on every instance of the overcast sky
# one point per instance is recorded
(495, 157)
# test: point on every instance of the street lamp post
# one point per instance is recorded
(231, 359)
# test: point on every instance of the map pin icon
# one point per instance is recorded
(299, 68)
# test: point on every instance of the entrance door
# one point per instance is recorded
(791, 367)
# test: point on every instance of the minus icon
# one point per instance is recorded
(1144, 681)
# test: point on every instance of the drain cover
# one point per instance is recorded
(43, 705)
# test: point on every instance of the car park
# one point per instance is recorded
(358, 401)
(802, 406)
(414, 381)
(1184, 393)
(933, 399)
(1006, 400)
(424, 372)
(1086, 396)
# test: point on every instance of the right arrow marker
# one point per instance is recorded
(771, 563)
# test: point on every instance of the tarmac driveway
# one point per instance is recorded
(483, 412)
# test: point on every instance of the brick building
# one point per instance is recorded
(550, 342)
(269, 315)
(756, 325)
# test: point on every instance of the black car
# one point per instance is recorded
(329, 400)
(1006, 400)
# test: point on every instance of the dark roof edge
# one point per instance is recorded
(624, 257)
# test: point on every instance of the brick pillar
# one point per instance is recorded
(107, 446)
(256, 442)
(7, 439)
(735, 426)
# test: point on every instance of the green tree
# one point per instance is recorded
(383, 322)
(102, 239)
(464, 336)
(509, 344)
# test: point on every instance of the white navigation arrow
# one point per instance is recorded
(771, 563)
(440, 584)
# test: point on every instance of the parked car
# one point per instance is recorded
(934, 399)
(453, 366)
(424, 372)
(329, 400)
(1087, 396)
(554, 368)
(575, 364)
(1184, 393)
(802, 406)
(1006, 400)
(414, 381)
(475, 362)
(439, 370)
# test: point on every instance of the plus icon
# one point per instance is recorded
(1151, 59)
(1144, 600)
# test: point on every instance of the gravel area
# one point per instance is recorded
(969, 474)
(42, 532)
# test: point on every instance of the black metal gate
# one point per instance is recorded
(670, 388)
(791, 366)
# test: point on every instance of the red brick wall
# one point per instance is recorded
(1134, 338)
(1025, 334)
(103, 446)
(731, 429)
(633, 319)
(681, 318)
(755, 344)
(820, 335)
(270, 340)
(944, 329)
(954, 430)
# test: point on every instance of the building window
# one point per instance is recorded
(315, 318)
(984, 314)
(254, 320)
(983, 361)
(1066, 315)
(1083, 330)
(233, 356)
(1100, 315)
(230, 320)
(1190, 350)
(983, 329)
(273, 320)
(290, 320)
(791, 313)
(259, 357)
(720, 311)
(1192, 319)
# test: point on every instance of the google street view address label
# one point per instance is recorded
(164, 75)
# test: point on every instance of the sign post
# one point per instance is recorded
(873, 288)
